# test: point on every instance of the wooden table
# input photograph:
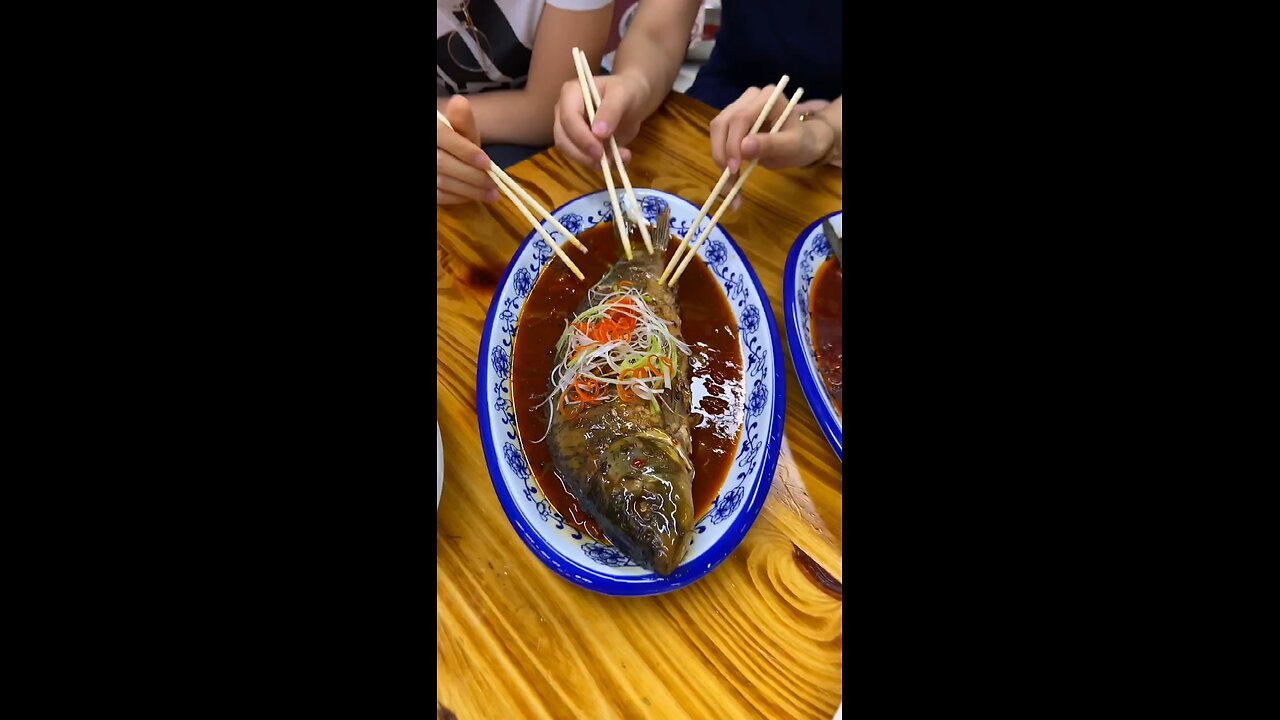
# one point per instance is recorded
(761, 636)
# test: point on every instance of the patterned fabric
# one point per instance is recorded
(508, 26)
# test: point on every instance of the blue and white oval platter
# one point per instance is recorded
(807, 254)
(572, 554)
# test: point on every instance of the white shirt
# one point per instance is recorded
(507, 29)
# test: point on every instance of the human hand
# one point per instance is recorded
(622, 100)
(460, 163)
(796, 144)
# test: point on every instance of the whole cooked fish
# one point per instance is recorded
(619, 412)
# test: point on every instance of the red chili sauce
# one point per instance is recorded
(708, 327)
(826, 311)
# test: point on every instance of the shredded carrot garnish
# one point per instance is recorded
(569, 410)
(624, 393)
(611, 327)
(618, 342)
(587, 390)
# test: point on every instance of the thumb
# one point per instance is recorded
(614, 103)
(458, 110)
(784, 149)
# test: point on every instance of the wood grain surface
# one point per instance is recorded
(760, 636)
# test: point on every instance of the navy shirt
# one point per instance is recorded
(759, 41)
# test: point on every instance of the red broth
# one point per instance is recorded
(826, 314)
(716, 368)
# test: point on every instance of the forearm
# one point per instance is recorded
(525, 116)
(519, 117)
(654, 48)
(648, 60)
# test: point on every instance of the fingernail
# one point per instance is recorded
(737, 203)
(482, 161)
(733, 165)
(492, 195)
(600, 128)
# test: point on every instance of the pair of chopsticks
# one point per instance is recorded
(591, 99)
(687, 241)
(516, 194)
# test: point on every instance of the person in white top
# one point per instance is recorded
(499, 68)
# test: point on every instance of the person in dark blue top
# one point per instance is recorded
(758, 42)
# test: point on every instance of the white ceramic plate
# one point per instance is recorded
(575, 556)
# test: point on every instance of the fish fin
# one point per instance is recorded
(663, 236)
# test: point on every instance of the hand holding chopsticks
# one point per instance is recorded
(724, 177)
(585, 70)
(591, 100)
(604, 159)
(520, 198)
(676, 262)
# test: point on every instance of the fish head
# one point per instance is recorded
(648, 487)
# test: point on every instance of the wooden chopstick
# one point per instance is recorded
(733, 192)
(580, 64)
(538, 226)
(509, 187)
(617, 160)
(498, 175)
(724, 177)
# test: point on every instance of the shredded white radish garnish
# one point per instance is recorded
(618, 350)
